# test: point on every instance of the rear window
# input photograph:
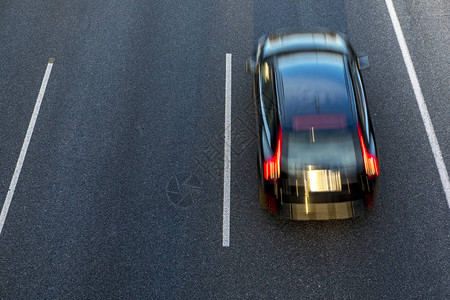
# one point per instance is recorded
(321, 148)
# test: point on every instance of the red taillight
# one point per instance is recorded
(370, 161)
(272, 166)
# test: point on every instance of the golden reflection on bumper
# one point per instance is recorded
(325, 211)
(323, 180)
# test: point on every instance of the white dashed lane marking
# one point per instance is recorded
(420, 101)
(227, 155)
(26, 142)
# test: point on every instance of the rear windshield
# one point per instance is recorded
(320, 148)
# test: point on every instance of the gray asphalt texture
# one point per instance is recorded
(120, 195)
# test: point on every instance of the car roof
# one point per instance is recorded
(312, 87)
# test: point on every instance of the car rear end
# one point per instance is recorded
(321, 175)
(319, 169)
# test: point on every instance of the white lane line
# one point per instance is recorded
(227, 156)
(26, 142)
(420, 102)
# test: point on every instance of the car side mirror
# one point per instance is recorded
(250, 65)
(363, 61)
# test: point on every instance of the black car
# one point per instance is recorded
(317, 157)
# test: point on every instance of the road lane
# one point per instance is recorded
(429, 128)
(406, 236)
(92, 214)
(430, 53)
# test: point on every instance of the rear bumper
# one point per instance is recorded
(317, 207)
(322, 211)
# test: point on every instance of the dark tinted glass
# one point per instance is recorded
(320, 149)
(314, 83)
(318, 123)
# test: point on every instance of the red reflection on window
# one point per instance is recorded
(319, 121)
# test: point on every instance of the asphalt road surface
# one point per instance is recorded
(121, 191)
